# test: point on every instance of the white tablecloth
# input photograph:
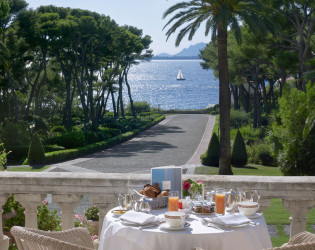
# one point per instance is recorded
(116, 236)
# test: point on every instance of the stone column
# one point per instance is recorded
(4, 240)
(30, 202)
(67, 203)
(264, 203)
(104, 204)
(298, 210)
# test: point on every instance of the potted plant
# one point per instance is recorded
(91, 215)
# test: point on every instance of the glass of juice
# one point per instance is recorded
(173, 199)
(220, 201)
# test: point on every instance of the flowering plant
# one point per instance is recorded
(92, 213)
(192, 188)
(81, 221)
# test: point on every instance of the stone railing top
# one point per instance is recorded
(112, 183)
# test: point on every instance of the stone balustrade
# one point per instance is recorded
(30, 188)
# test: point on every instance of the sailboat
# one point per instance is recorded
(180, 75)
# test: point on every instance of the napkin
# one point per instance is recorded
(138, 218)
(228, 220)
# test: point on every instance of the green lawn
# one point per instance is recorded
(246, 170)
(28, 169)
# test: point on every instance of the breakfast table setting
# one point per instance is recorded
(155, 219)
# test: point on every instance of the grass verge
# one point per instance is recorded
(246, 170)
(28, 169)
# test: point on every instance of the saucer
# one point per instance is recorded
(118, 212)
(164, 226)
(254, 216)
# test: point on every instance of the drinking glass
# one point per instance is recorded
(185, 206)
(173, 199)
(220, 201)
(231, 201)
(255, 195)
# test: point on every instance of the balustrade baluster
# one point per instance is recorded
(104, 204)
(30, 202)
(298, 210)
(264, 203)
(67, 203)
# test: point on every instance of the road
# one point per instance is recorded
(178, 140)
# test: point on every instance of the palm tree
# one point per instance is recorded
(218, 15)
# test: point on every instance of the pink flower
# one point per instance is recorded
(186, 186)
(94, 237)
(199, 181)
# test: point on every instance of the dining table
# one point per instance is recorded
(117, 235)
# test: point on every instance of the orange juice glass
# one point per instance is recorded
(173, 200)
(220, 201)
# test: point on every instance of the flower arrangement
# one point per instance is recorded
(92, 213)
(192, 188)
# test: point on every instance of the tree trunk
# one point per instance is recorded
(235, 96)
(15, 99)
(244, 95)
(224, 103)
(129, 94)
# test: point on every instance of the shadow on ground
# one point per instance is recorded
(131, 148)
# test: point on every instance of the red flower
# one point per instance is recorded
(186, 186)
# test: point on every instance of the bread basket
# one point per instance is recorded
(159, 203)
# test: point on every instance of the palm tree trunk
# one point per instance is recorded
(224, 103)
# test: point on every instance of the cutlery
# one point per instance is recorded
(214, 226)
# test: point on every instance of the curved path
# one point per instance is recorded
(178, 140)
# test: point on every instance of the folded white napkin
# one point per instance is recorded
(228, 220)
(138, 218)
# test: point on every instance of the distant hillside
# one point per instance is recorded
(188, 53)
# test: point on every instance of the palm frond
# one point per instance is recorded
(235, 27)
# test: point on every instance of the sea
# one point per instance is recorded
(155, 82)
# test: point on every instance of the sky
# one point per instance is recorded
(143, 14)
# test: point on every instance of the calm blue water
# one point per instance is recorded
(155, 82)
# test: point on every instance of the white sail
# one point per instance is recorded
(180, 75)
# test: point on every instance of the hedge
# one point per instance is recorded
(58, 156)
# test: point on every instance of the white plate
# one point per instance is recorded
(254, 216)
(164, 226)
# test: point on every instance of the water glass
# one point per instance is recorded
(173, 199)
(232, 200)
(185, 206)
(220, 201)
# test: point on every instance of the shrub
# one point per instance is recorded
(48, 220)
(239, 118)
(297, 118)
(106, 133)
(92, 213)
(3, 157)
(10, 206)
(139, 107)
(92, 137)
(212, 155)
(239, 154)
(58, 129)
(36, 154)
(265, 155)
(72, 139)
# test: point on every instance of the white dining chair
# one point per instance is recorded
(33, 239)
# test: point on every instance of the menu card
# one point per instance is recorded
(168, 178)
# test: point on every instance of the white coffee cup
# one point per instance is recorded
(175, 219)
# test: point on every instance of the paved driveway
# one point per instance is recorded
(178, 140)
